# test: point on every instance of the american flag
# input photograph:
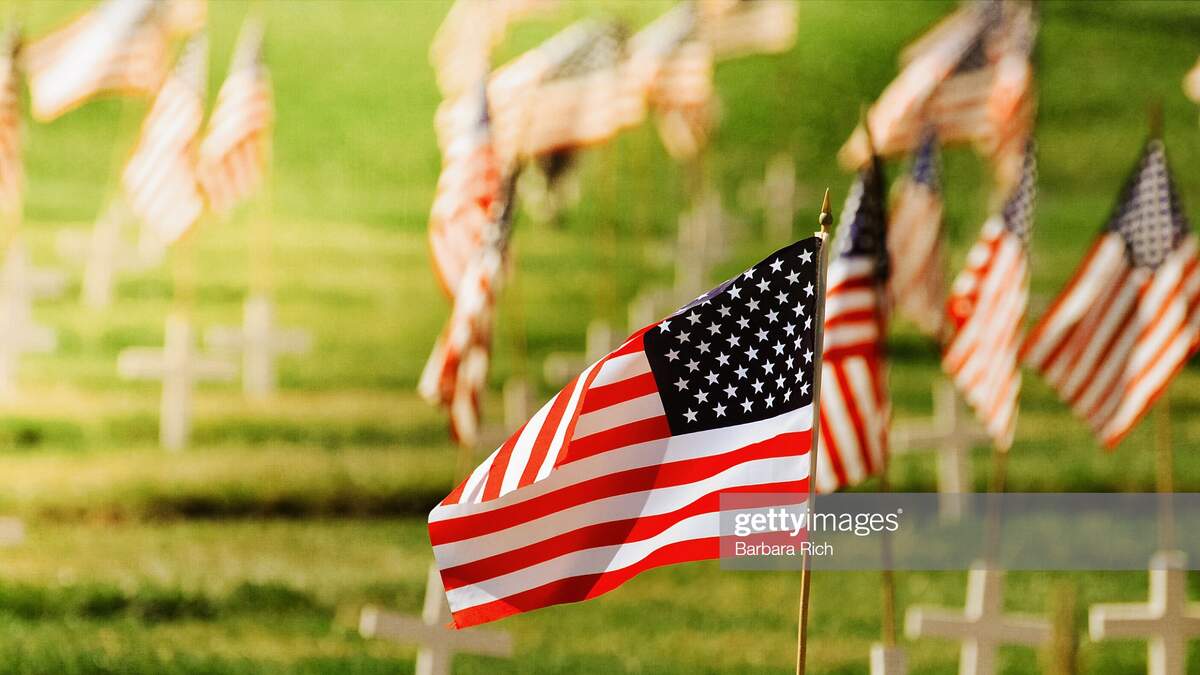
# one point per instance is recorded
(971, 78)
(985, 310)
(12, 175)
(855, 411)
(1130, 317)
(456, 373)
(468, 191)
(119, 47)
(569, 92)
(622, 470)
(918, 284)
(236, 146)
(744, 27)
(675, 69)
(160, 178)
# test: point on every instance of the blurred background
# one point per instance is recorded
(253, 550)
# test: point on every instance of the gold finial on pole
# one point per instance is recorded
(826, 217)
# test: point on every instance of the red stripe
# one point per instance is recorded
(832, 453)
(1035, 335)
(495, 478)
(606, 395)
(598, 535)
(622, 482)
(541, 445)
(641, 431)
(850, 397)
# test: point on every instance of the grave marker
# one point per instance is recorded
(437, 642)
(260, 343)
(982, 627)
(1168, 622)
(179, 366)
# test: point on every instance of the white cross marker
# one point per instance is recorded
(104, 254)
(888, 660)
(12, 531)
(260, 343)
(982, 627)
(179, 367)
(1168, 622)
(20, 284)
(559, 368)
(437, 642)
(951, 433)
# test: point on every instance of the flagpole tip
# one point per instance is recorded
(826, 217)
(1154, 118)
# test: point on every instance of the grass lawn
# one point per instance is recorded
(253, 550)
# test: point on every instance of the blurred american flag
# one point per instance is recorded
(236, 146)
(1130, 317)
(12, 175)
(160, 178)
(918, 257)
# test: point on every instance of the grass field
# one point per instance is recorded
(253, 550)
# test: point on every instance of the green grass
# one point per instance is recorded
(253, 551)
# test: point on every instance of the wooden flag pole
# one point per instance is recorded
(1164, 472)
(824, 220)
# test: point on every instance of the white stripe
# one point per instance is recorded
(622, 367)
(558, 442)
(841, 427)
(524, 445)
(873, 419)
(633, 410)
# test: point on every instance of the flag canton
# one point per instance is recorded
(1150, 216)
(597, 46)
(862, 231)
(990, 17)
(1018, 209)
(925, 169)
(742, 352)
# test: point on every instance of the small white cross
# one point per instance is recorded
(703, 241)
(560, 367)
(20, 285)
(12, 531)
(104, 253)
(179, 366)
(982, 627)
(888, 660)
(951, 433)
(437, 642)
(1168, 621)
(260, 343)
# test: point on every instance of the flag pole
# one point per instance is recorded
(824, 220)
(888, 580)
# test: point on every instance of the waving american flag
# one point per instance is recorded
(118, 47)
(236, 145)
(160, 178)
(985, 310)
(622, 470)
(674, 65)
(855, 412)
(569, 92)
(468, 189)
(1130, 317)
(971, 79)
(918, 284)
